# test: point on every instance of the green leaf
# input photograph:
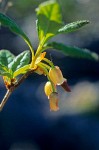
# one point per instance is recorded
(50, 23)
(49, 20)
(72, 26)
(21, 70)
(20, 61)
(6, 57)
(9, 64)
(74, 51)
(4, 71)
(7, 22)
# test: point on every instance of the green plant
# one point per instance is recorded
(49, 24)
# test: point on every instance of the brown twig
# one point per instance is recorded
(23, 78)
(13, 87)
(8, 93)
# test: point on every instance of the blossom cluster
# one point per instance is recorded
(55, 78)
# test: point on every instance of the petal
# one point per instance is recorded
(66, 86)
(53, 101)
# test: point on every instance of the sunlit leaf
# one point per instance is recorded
(20, 61)
(50, 23)
(21, 70)
(74, 51)
(8, 22)
(6, 57)
(72, 26)
(49, 20)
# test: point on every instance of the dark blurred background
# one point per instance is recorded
(26, 122)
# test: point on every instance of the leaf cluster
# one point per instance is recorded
(49, 24)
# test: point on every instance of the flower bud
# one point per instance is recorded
(48, 88)
(40, 58)
(7, 81)
(56, 76)
(53, 101)
(39, 71)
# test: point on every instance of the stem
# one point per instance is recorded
(49, 62)
(46, 72)
(41, 45)
(39, 50)
(23, 78)
(30, 46)
(8, 93)
(13, 87)
(44, 65)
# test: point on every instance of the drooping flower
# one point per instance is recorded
(57, 78)
(53, 101)
(52, 96)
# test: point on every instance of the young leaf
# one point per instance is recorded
(49, 20)
(20, 61)
(4, 71)
(7, 22)
(72, 26)
(21, 70)
(74, 51)
(6, 57)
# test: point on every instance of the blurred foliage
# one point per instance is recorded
(24, 8)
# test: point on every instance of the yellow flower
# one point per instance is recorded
(52, 96)
(56, 76)
(53, 101)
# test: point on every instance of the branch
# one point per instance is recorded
(13, 87)
(8, 93)
(23, 78)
